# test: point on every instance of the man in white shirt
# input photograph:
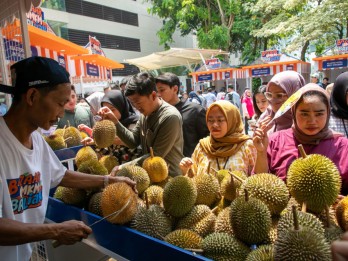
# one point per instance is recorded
(29, 167)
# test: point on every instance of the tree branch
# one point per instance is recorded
(222, 14)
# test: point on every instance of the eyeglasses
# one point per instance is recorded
(276, 96)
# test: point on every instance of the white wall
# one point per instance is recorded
(146, 31)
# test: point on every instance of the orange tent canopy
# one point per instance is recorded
(99, 60)
(272, 64)
(332, 57)
(42, 38)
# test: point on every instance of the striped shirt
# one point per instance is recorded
(338, 125)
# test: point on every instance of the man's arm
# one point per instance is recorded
(16, 233)
(74, 179)
(131, 138)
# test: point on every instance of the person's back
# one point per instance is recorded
(194, 125)
(210, 97)
(204, 100)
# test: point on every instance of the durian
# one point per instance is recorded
(104, 133)
(156, 167)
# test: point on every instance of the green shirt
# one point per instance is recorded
(162, 130)
(81, 115)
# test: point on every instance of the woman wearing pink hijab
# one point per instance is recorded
(278, 90)
(311, 115)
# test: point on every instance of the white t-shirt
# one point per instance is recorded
(26, 176)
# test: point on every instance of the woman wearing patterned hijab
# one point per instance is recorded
(227, 147)
(311, 115)
(339, 105)
(278, 90)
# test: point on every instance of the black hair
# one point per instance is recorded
(261, 90)
(325, 78)
(142, 83)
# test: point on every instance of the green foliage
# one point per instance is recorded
(216, 38)
(256, 83)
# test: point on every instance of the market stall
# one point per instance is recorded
(220, 77)
(266, 70)
(333, 65)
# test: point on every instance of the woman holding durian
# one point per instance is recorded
(311, 114)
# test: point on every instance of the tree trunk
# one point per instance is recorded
(303, 51)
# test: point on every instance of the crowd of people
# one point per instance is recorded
(202, 131)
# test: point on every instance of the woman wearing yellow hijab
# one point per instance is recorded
(227, 147)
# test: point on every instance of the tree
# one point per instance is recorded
(211, 20)
(303, 22)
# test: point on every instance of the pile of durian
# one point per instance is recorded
(224, 215)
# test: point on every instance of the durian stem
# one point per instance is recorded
(68, 138)
(214, 209)
(146, 200)
(194, 250)
(304, 207)
(327, 212)
(190, 173)
(208, 169)
(151, 153)
(246, 195)
(294, 213)
(64, 130)
(214, 170)
(302, 151)
(68, 124)
(236, 177)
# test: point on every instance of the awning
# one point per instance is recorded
(99, 60)
(43, 39)
(331, 62)
(276, 67)
(174, 57)
(218, 74)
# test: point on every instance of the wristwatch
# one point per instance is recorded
(106, 181)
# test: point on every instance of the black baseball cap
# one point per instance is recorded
(35, 72)
(168, 78)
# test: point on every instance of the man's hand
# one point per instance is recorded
(107, 114)
(72, 231)
(339, 248)
(127, 180)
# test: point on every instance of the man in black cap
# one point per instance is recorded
(29, 167)
(193, 115)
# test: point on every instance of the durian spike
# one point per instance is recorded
(215, 209)
(236, 177)
(68, 138)
(151, 153)
(146, 200)
(246, 195)
(304, 207)
(302, 152)
(294, 213)
(194, 250)
(327, 212)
